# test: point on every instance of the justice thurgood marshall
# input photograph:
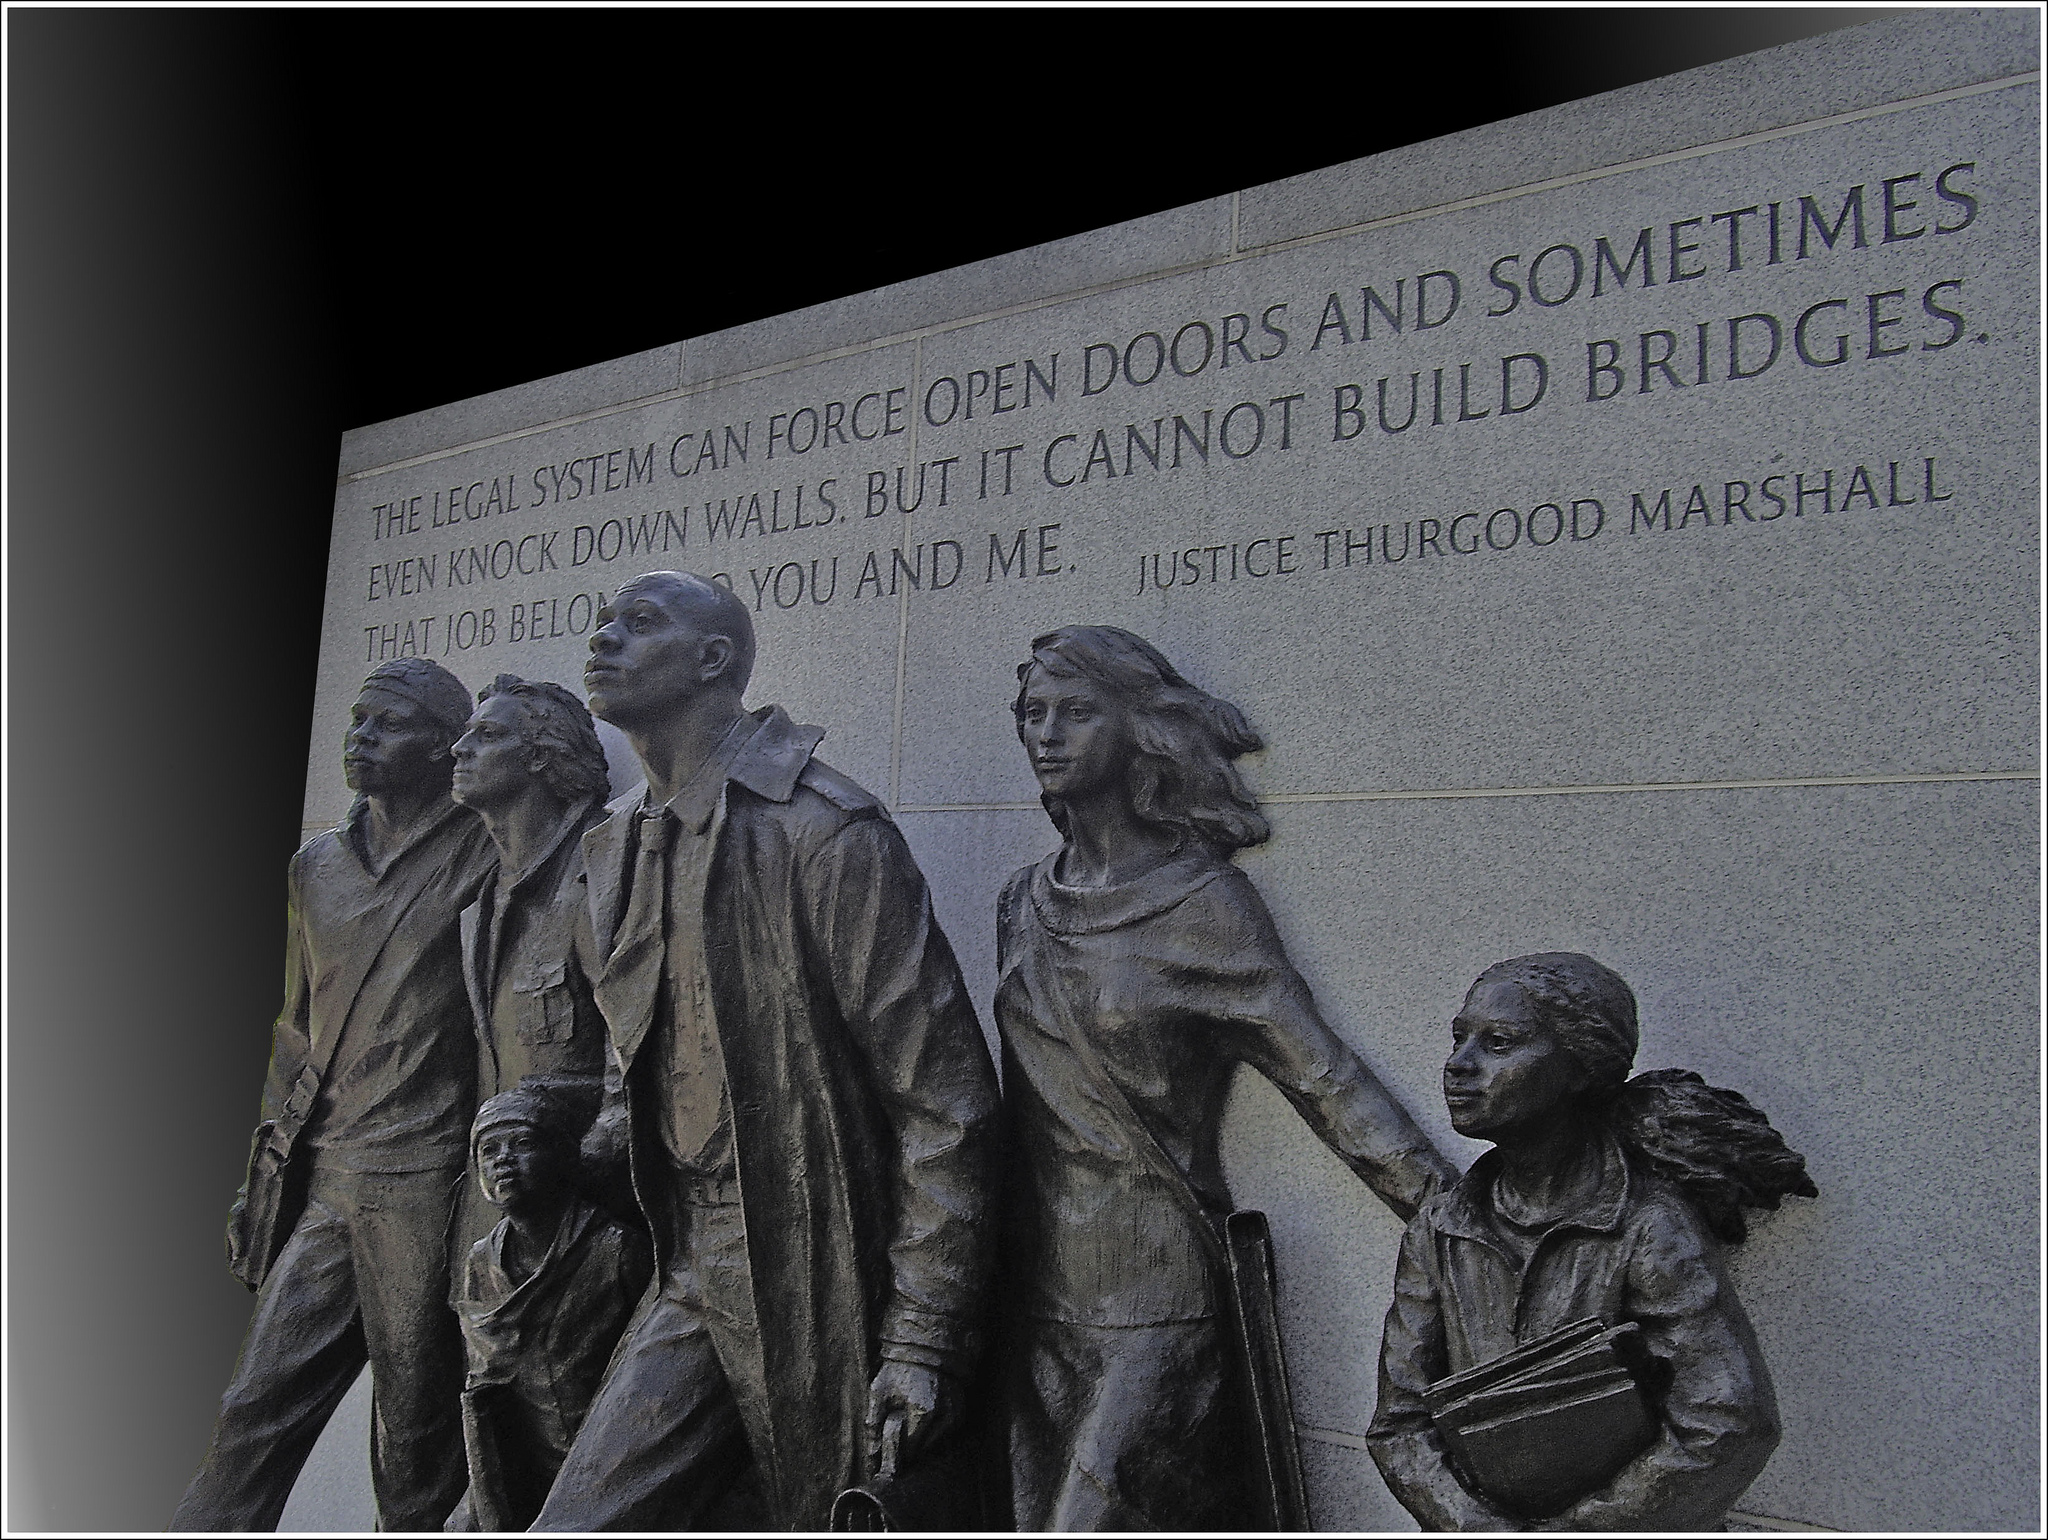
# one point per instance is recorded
(811, 1103)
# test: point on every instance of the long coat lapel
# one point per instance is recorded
(769, 764)
(604, 862)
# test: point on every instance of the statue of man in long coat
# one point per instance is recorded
(811, 1100)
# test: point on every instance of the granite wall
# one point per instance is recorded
(1622, 524)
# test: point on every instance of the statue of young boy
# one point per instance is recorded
(544, 1299)
(1603, 1208)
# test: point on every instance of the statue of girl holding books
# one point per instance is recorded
(1137, 968)
(1564, 1350)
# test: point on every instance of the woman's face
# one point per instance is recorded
(1507, 1071)
(1077, 737)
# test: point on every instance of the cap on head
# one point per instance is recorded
(712, 608)
(561, 1119)
(427, 685)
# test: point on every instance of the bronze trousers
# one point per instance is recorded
(671, 1441)
(363, 1278)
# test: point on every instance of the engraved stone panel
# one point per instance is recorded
(1621, 525)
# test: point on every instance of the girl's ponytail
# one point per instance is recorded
(1711, 1144)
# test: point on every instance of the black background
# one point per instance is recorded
(233, 235)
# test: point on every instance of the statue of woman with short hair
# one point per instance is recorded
(1564, 1350)
(1137, 969)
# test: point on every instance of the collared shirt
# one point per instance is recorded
(1518, 1282)
(693, 1121)
(1467, 1290)
(374, 956)
(538, 1017)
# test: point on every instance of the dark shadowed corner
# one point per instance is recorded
(172, 450)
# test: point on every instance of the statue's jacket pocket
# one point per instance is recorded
(543, 1010)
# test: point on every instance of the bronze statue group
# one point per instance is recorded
(650, 1153)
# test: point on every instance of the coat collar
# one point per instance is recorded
(697, 803)
(769, 764)
(1467, 1210)
(773, 759)
(764, 751)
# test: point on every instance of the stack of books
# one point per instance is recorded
(1538, 1428)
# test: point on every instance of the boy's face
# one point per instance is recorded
(517, 1165)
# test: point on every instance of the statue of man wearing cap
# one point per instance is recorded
(811, 1100)
(342, 1227)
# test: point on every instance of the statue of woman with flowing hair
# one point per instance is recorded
(1602, 1206)
(1138, 968)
